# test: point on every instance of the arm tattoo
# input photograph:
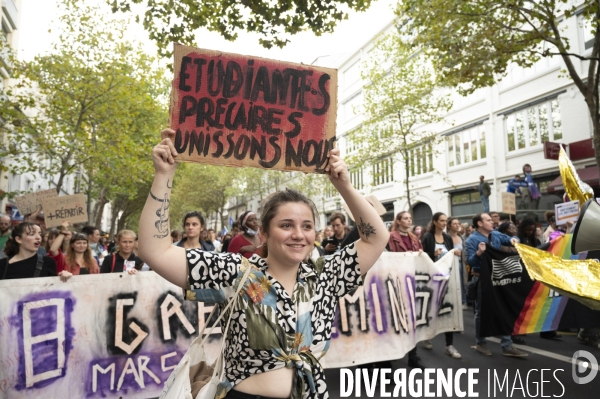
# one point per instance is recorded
(162, 224)
(365, 229)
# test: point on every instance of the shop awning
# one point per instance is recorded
(588, 175)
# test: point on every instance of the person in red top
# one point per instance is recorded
(79, 259)
(55, 243)
(249, 242)
(402, 240)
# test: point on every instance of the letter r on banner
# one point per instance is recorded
(29, 340)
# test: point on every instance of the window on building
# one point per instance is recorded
(586, 32)
(352, 106)
(466, 146)
(330, 191)
(383, 171)
(356, 178)
(352, 74)
(352, 144)
(465, 204)
(420, 160)
(533, 126)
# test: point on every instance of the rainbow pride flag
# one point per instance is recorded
(561, 247)
(541, 311)
(515, 304)
(544, 307)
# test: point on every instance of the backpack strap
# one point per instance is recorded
(39, 265)
(114, 258)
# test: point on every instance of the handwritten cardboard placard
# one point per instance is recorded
(509, 204)
(29, 203)
(236, 110)
(71, 208)
(566, 212)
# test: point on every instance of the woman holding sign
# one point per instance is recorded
(283, 317)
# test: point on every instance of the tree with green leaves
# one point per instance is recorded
(91, 107)
(472, 43)
(170, 21)
(401, 104)
(206, 188)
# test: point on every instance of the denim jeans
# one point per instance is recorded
(505, 340)
(486, 203)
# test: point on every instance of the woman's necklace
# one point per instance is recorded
(441, 235)
(404, 233)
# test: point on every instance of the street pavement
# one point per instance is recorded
(552, 355)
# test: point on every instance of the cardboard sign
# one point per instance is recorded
(236, 110)
(71, 208)
(29, 203)
(566, 212)
(509, 204)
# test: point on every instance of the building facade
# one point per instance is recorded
(10, 38)
(493, 132)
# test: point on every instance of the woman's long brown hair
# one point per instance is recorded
(88, 260)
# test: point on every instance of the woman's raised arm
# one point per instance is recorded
(58, 241)
(154, 232)
(373, 234)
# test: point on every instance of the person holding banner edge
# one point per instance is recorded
(287, 225)
(436, 243)
(403, 240)
(475, 246)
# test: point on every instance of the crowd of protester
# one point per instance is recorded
(28, 251)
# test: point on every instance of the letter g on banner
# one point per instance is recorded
(580, 367)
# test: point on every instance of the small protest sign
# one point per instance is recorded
(509, 203)
(236, 110)
(71, 208)
(29, 203)
(566, 212)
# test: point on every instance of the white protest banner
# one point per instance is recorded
(566, 212)
(405, 298)
(29, 203)
(71, 208)
(116, 335)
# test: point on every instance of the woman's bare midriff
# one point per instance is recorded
(273, 384)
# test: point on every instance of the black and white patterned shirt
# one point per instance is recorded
(269, 329)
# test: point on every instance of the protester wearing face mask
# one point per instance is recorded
(418, 231)
(249, 242)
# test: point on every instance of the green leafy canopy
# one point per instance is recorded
(91, 107)
(170, 21)
(471, 43)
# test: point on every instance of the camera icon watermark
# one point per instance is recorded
(583, 363)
